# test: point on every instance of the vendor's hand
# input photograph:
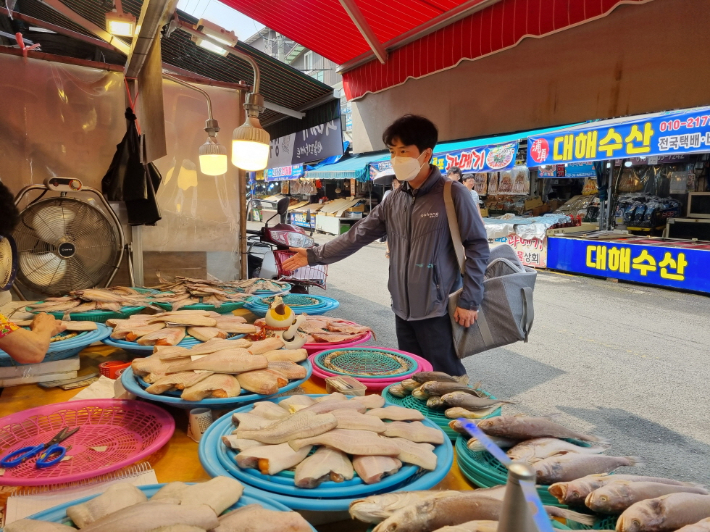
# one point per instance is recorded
(299, 260)
(464, 317)
(43, 321)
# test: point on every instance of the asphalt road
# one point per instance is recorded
(626, 362)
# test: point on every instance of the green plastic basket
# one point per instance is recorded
(366, 363)
(437, 416)
(97, 316)
(224, 308)
(606, 523)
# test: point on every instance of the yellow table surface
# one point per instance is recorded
(178, 460)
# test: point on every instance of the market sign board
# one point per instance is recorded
(672, 133)
(480, 159)
(572, 170)
(308, 145)
(283, 173)
(532, 252)
(676, 267)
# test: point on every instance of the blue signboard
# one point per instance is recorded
(284, 173)
(675, 267)
(567, 170)
(480, 159)
(671, 133)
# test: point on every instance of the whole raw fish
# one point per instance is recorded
(471, 526)
(415, 431)
(289, 370)
(219, 386)
(271, 459)
(475, 445)
(470, 402)
(537, 449)
(526, 428)
(166, 336)
(324, 464)
(442, 388)
(300, 425)
(700, 526)
(420, 393)
(176, 381)
(371, 469)
(436, 403)
(575, 492)
(419, 454)
(230, 361)
(376, 508)
(410, 384)
(664, 514)
(398, 390)
(616, 497)
(438, 376)
(572, 466)
(255, 518)
(458, 412)
(354, 420)
(263, 381)
(355, 442)
(288, 355)
(203, 334)
(396, 413)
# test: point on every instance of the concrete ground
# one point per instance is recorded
(626, 362)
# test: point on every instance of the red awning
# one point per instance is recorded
(491, 26)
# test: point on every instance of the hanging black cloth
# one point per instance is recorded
(131, 181)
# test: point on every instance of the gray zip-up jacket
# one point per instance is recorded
(423, 265)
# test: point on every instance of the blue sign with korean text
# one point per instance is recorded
(480, 159)
(675, 267)
(672, 133)
(284, 173)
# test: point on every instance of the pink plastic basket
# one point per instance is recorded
(317, 348)
(373, 385)
(130, 431)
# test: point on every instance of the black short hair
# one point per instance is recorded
(455, 170)
(10, 215)
(468, 176)
(412, 129)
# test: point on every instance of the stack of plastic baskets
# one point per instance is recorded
(299, 303)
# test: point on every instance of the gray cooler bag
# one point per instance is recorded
(506, 313)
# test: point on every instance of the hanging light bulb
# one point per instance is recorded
(120, 23)
(250, 142)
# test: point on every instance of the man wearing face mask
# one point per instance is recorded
(423, 265)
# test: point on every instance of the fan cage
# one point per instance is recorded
(66, 244)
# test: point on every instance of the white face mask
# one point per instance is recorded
(406, 168)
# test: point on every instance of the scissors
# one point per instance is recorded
(50, 452)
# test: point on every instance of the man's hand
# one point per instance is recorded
(464, 317)
(44, 322)
(299, 260)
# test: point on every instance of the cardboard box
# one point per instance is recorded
(542, 209)
(484, 212)
(533, 203)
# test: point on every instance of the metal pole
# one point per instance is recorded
(515, 515)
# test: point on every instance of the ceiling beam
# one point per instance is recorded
(56, 29)
(435, 24)
(154, 15)
(101, 33)
(364, 28)
(284, 110)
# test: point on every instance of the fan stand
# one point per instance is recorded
(63, 186)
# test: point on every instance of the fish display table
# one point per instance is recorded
(178, 460)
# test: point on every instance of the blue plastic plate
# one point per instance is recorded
(131, 384)
(58, 514)
(134, 347)
(423, 480)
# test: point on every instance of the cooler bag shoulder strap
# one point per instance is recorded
(454, 224)
(528, 311)
(484, 328)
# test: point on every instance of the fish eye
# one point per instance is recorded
(575, 493)
(603, 498)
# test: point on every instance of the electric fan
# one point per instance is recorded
(65, 243)
(8, 262)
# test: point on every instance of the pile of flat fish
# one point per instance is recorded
(444, 392)
(221, 368)
(93, 299)
(349, 435)
(176, 507)
(171, 328)
(325, 330)
(442, 511)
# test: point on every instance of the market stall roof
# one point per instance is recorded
(675, 132)
(281, 83)
(418, 37)
(355, 167)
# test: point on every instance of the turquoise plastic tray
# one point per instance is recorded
(133, 347)
(58, 514)
(362, 358)
(211, 440)
(224, 308)
(437, 416)
(131, 384)
(98, 316)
